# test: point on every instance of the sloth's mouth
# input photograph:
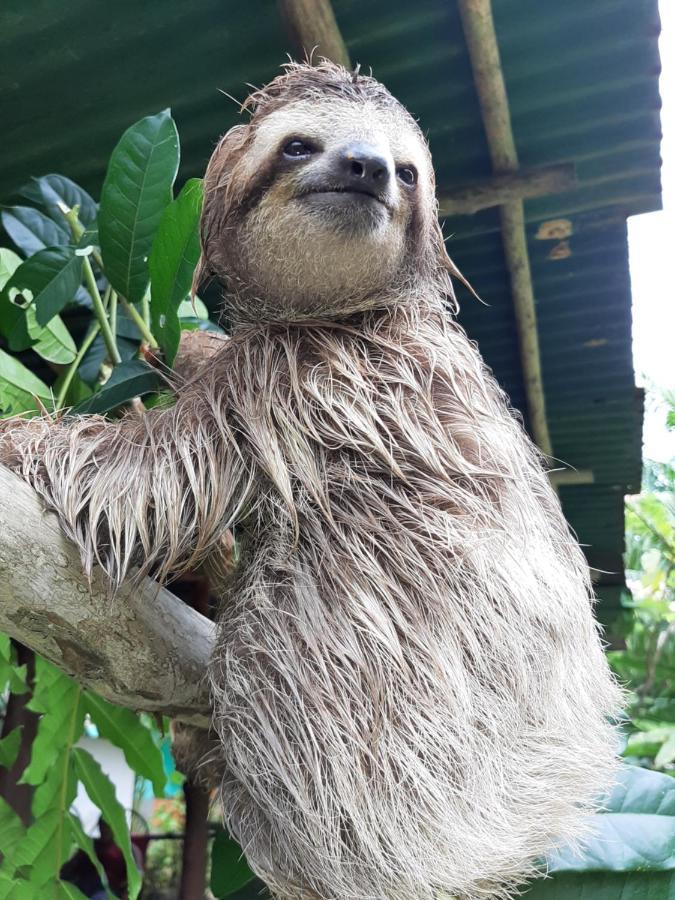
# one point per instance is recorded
(355, 192)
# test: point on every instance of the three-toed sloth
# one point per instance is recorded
(409, 688)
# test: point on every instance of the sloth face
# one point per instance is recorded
(328, 203)
(354, 169)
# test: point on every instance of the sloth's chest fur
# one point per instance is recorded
(405, 630)
(341, 422)
(391, 478)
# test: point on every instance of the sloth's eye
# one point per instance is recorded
(298, 149)
(407, 175)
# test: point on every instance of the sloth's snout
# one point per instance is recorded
(351, 186)
(362, 166)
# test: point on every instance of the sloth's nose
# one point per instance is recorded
(363, 164)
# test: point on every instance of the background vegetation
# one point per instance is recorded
(88, 294)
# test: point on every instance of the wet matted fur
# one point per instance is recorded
(409, 688)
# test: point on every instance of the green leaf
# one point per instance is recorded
(636, 832)
(23, 890)
(229, 869)
(49, 279)
(11, 674)
(605, 886)
(136, 190)
(17, 680)
(53, 342)
(12, 830)
(102, 794)
(5, 647)
(18, 386)
(9, 747)
(65, 891)
(59, 788)
(661, 710)
(9, 263)
(193, 310)
(13, 324)
(31, 230)
(175, 253)
(84, 842)
(125, 730)
(128, 380)
(7, 885)
(78, 390)
(649, 743)
(42, 849)
(48, 190)
(641, 791)
(59, 698)
(254, 890)
(97, 353)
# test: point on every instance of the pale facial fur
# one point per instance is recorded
(298, 249)
(332, 254)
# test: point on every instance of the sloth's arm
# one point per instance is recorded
(155, 490)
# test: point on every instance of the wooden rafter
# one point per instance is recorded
(468, 198)
(314, 30)
(481, 40)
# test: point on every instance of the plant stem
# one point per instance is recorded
(100, 313)
(139, 321)
(71, 216)
(73, 367)
(142, 321)
(78, 229)
(113, 312)
(145, 308)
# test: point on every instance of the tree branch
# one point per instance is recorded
(144, 648)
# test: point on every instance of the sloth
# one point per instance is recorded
(409, 689)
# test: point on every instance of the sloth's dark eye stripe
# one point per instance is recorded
(299, 148)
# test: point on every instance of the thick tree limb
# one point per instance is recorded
(143, 649)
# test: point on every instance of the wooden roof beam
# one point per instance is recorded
(481, 40)
(314, 30)
(470, 197)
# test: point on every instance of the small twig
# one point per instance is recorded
(74, 365)
(71, 216)
(100, 313)
(139, 321)
(145, 308)
(77, 228)
(142, 321)
(113, 312)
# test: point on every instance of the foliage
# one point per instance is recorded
(33, 855)
(647, 664)
(229, 871)
(163, 861)
(80, 258)
(126, 266)
(631, 851)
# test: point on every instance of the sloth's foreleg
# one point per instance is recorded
(154, 491)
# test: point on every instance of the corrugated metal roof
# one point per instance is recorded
(582, 81)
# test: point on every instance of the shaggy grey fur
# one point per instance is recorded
(409, 687)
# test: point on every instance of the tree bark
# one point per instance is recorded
(143, 648)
